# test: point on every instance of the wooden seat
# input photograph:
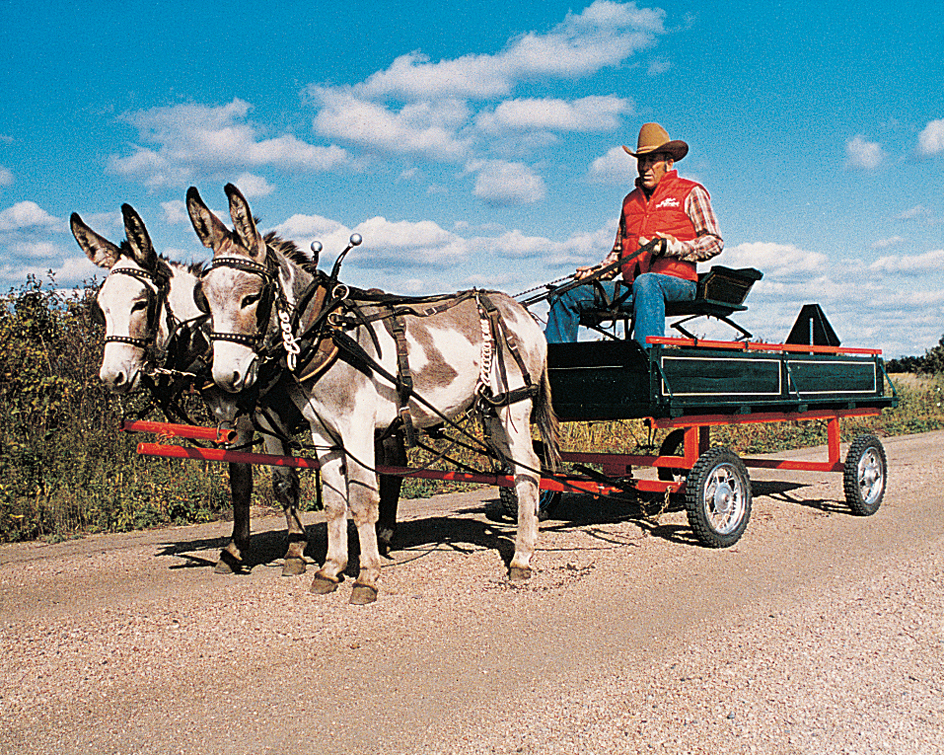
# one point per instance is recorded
(721, 292)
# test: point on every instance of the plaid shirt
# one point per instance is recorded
(708, 242)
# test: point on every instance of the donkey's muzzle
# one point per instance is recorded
(234, 379)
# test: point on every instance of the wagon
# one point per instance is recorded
(688, 386)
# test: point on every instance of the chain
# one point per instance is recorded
(172, 373)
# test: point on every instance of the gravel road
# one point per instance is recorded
(819, 632)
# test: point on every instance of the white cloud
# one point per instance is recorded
(28, 217)
(862, 154)
(914, 212)
(6, 177)
(35, 250)
(427, 129)
(415, 243)
(779, 261)
(311, 227)
(502, 184)
(589, 114)
(194, 139)
(175, 212)
(74, 270)
(252, 185)
(931, 139)
(388, 244)
(579, 249)
(890, 241)
(658, 66)
(604, 34)
(915, 264)
(615, 167)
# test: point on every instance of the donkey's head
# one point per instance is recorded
(238, 288)
(129, 301)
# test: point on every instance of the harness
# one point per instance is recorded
(314, 333)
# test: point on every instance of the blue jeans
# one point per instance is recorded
(650, 293)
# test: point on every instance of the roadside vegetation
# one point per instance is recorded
(66, 470)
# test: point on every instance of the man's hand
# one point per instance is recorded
(671, 248)
(585, 271)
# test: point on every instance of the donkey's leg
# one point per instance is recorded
(286, 490)
(335, 503)
(363, 502)
(512, 430)
(391, 452)
(240, 485)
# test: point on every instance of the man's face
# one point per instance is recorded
(652, 168)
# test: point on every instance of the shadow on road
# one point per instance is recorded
(484, 526)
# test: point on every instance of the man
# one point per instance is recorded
(662, 206)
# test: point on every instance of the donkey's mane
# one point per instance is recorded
(288, 249)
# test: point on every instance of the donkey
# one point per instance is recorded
(250, 288)
(149, 311)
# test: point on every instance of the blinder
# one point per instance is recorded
(95, 312)
(199, 298)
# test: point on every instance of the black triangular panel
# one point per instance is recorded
(812, 328)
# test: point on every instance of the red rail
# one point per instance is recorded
(214, 434)
(559, 483)
(752, 346)
(615, 466)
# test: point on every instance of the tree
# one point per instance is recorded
(933, 361)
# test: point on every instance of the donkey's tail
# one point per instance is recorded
(542, 414)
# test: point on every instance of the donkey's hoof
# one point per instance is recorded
(363, 595)
(228, 564)
(322, 585)
(519, 573)
(292, 567)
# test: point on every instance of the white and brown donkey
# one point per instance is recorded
(250, 285)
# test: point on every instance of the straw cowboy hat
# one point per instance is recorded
(654, 138)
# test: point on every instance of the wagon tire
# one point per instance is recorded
(508, 501)
(718, 498)
(865, 475)
(673, 443)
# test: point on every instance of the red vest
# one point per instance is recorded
(664, 212)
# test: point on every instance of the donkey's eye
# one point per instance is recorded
(249, 300)
(138, 306)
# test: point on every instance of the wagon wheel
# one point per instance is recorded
(673, 443)
(547, 501)
(865, 475)
(718, 498)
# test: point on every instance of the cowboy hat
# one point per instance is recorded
(654, 138)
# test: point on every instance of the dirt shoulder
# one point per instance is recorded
(817, 633)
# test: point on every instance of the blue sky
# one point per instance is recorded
(479, 143)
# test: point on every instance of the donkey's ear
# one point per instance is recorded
(98, 249)
(210, 229)
(138, 238)
(244, 224)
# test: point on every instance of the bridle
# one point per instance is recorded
(157, 298)
(263, 310)
(299, 348)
